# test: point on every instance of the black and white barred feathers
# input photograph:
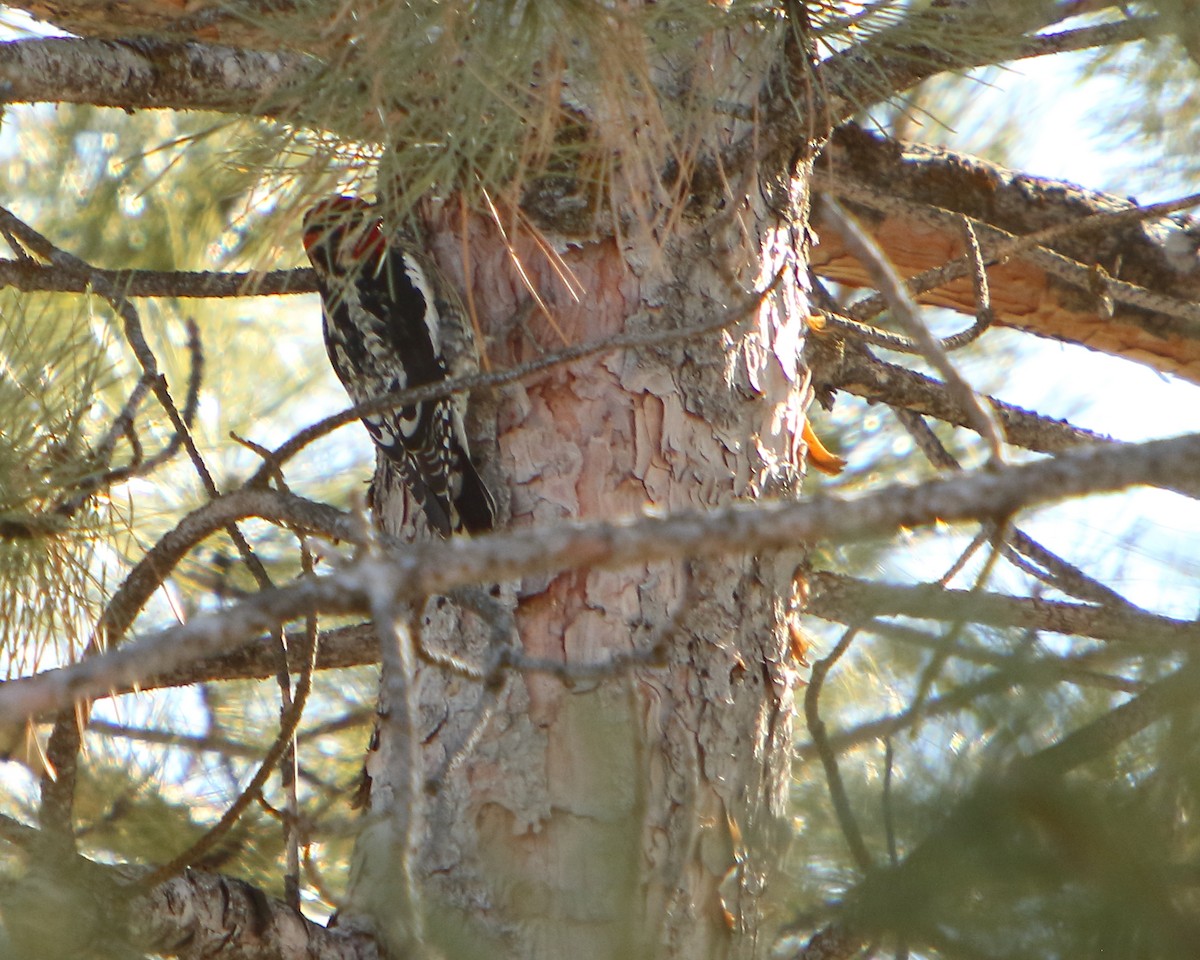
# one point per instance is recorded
(389, 327)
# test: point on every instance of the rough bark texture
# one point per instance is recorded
(199, 915)
(633, 814)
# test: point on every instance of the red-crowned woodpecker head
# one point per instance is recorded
(340, 233)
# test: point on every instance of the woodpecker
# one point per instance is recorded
(389, 325)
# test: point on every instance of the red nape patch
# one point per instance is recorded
(372, 242)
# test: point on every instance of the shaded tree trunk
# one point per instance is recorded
(640, 813)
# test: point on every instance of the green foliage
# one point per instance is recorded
(590, 103)
(486, 98)
(55, 380)
(156, 191)
(147, 191)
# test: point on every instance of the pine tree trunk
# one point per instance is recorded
(639, 814)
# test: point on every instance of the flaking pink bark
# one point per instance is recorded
(640, 813)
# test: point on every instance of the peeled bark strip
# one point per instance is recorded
(1160, 256)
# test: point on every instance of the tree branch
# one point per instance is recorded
(892, 61)
(30, 276)
(241, 23)
(208, 915)
(147, 73)
(843, 597)
(1129, 289)
(436, 568)
(878, 381)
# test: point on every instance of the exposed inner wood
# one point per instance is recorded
(1159, 256)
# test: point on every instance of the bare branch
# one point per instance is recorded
(240, 23)
(205, 914)
(436, 568)
(147, 73)
(257, 659)
(30, 276)
(1050, 568)
(899, 387)
(841, 596)
(1109, 34)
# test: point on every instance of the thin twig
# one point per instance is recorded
(1053, 570)
(983, 296)
(1065, 576)
(834, 322)
(1038, 770)
(291, 761)
(253, 790)
(950, 639)
(904, 308)
(483, 381)
(833, 775)
(191, 401)
(288, 765)
(889, 822)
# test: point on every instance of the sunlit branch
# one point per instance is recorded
(30, 276)
(436, 568)
(148, 73)
(1035, 246)
(841, 597)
